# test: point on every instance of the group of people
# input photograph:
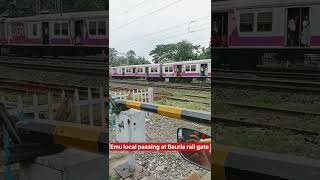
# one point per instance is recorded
(299, 33)
(204, 70)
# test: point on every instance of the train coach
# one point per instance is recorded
(186, 70)
(76, 33)
(246, 31)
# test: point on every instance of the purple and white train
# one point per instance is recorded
(245, 30)
(181, 69)
(76, 33)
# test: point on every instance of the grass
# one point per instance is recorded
(182, 94)
(186, 105)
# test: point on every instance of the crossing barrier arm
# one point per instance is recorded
(201, 117)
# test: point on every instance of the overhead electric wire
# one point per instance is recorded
(138, 18)
(173, 27)
(153, 34)
(173, 36)
(170, 37)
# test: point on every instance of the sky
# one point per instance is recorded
(140, 25)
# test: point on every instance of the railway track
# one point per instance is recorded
(243, 123)
(271, 109)
(57, 65)
(38, 87)
(275, 74)
(171, 96)
(268, 84)
(196, 86)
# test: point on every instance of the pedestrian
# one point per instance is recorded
(292, 31)
(305, 34)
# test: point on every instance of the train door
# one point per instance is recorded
(204, 69)
(179, 70)
(78, 32)
(45, 33)
(123, 71)
(298, 27)
(220, 29)
(133, 70)
(2, 32)
(147, 70)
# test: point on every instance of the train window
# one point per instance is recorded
(188, 68)
(60, 29)
(93, 28)
(64, 29)
(193, 67)
(34, 30)
(102, 28)
(56, 28)
(246, 22)
(166, 69)
(171, 69)
(264, 22)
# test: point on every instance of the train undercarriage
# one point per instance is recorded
(238, 58)
(28, 51)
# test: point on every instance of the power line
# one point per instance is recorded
(170, 33)
(167, 29)
(136, 19)
(173, 36)
(137, 5)
(170, 37)
(173, 27)
(189, 32)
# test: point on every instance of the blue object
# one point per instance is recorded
(112, 119)
(6, 143)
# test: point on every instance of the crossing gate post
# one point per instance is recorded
(130, 127)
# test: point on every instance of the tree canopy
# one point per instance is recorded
(181, 51)
(129, 59)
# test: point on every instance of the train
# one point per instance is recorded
(63, 34)
(245, 32)
(181, 71)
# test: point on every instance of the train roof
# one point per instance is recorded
(140, 65)
(243, 4)
(189, 62)
(72, 15)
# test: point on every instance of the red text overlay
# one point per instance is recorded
(159, 146)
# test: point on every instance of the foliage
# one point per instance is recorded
(129, 59)
(181, 51)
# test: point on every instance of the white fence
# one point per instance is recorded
(142, 95)
(73, 104)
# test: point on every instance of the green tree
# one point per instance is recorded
(185, 51)
(112, 56)
(181, 51)
(131, 56)
(163, 53)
